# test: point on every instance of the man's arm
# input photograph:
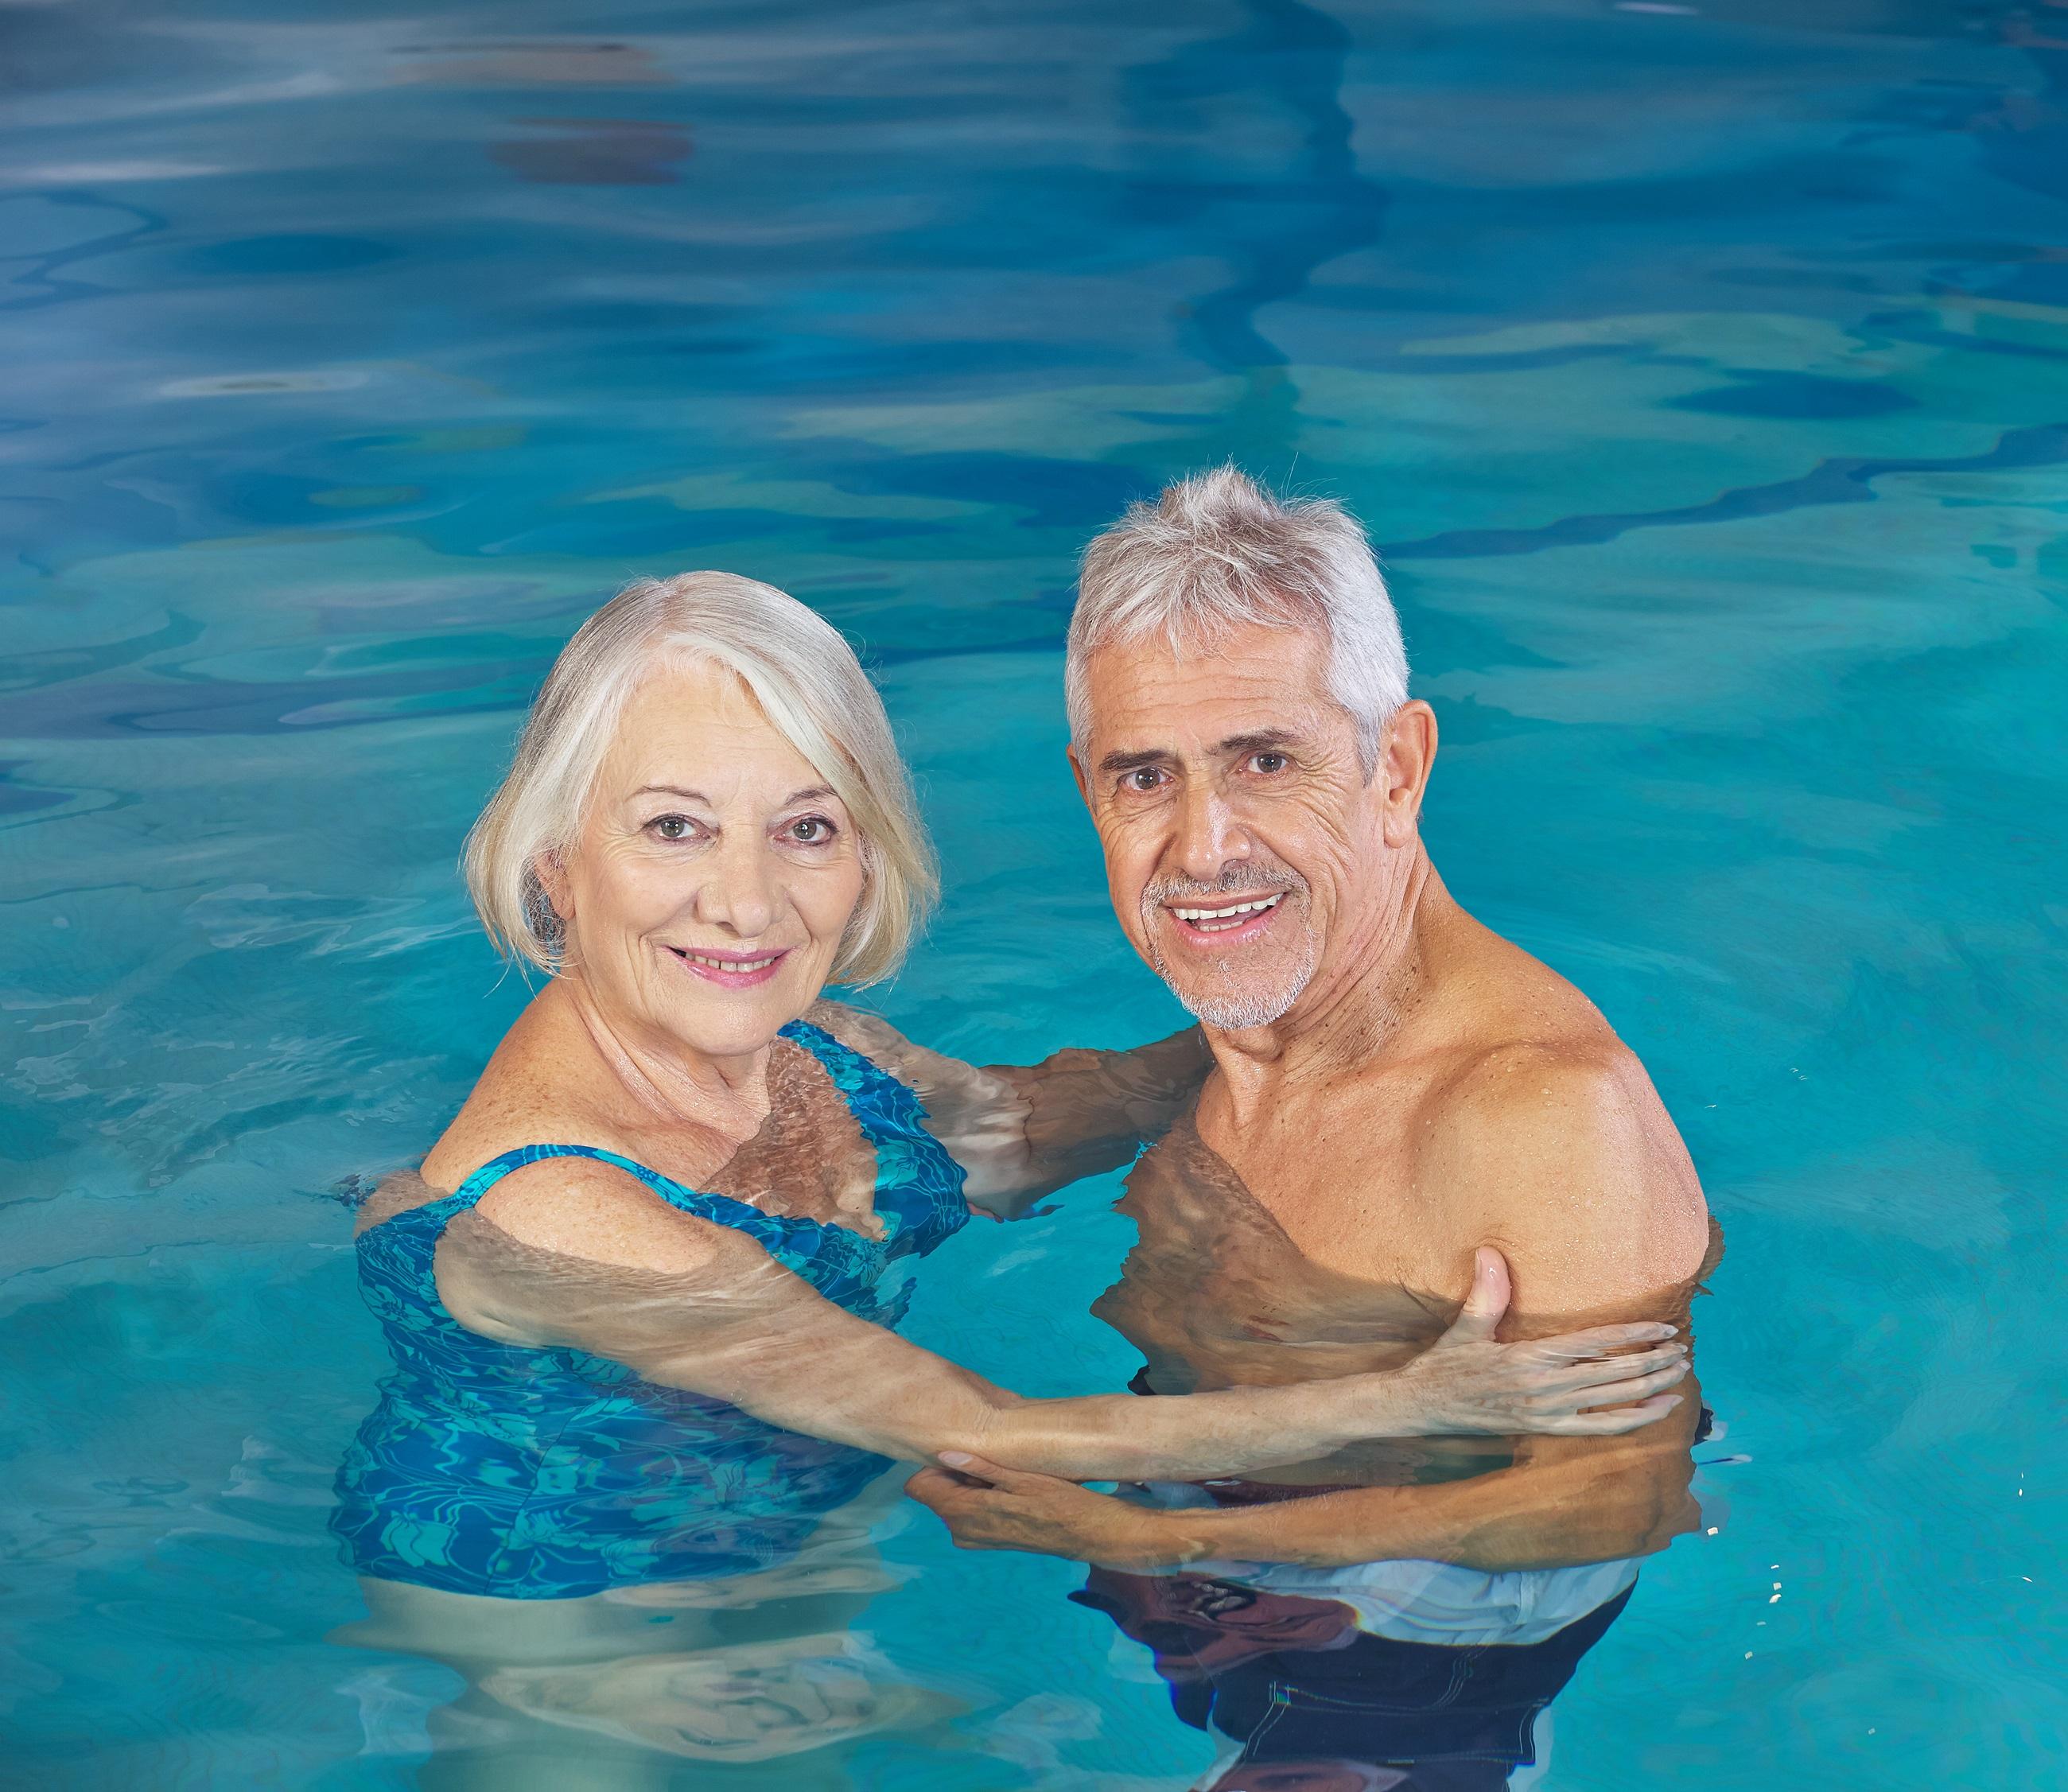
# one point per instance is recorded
(1021, 1131)
(1571, 1167)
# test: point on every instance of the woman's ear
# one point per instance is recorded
(553, 878)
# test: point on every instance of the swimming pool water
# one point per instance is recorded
(1702, 371)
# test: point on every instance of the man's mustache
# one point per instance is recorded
(1238, 879)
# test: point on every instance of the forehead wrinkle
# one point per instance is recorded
(1128, 680)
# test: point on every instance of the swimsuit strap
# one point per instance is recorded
(496, 1168)
(919, 1185)
(794, 1242)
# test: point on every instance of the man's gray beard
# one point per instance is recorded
(1230, 1013)
(1234, 1014)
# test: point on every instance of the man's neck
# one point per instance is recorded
(1346, 1016)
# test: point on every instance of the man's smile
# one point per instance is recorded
(1223, 924)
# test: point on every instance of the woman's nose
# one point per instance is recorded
(741, 893)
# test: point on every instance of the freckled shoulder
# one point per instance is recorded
(579, 1207)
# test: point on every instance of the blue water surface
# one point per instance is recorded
(1702, 371)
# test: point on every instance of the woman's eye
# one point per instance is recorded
(672, 827)
(812, 830)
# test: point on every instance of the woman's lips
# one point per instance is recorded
(1217, 926)
(731, 970)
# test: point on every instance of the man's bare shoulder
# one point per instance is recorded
(1553, 1145)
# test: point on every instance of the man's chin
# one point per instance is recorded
(1237, 1010)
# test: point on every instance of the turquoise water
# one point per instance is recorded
(1702, 371)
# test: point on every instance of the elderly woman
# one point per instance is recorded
(641, 1299)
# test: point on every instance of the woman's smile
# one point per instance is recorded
(731, 970)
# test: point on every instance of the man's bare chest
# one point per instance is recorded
(1346, 1186)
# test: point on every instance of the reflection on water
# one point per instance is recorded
(602, 1690)
(1307, 1694)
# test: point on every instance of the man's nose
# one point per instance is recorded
(1209, 836)
(740, 894)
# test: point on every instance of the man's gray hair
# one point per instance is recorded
(1216, 552)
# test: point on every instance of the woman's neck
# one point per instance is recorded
(664, 1083)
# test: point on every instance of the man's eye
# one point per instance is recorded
(1269, 762)
(812, 830)
(672, 827)
(1143, 777)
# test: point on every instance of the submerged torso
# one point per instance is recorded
(1215, 1294)
(497, 1468)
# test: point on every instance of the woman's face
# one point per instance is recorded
(707, 894)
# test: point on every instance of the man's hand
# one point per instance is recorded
(987, 1507)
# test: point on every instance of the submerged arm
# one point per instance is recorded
(1566, 1501)
(579, 1255)
(1020, 1131)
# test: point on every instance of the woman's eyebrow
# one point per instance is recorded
(811, 796)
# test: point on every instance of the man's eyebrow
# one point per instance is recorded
(1263, 740)
(1114, 762)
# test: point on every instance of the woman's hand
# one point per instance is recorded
(1465, 1384)
(989, 1507)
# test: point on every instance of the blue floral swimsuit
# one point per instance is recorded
(540, 1474)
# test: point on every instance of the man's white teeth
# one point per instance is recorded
(1213, 920)
(732, 964)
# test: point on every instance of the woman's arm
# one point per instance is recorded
(572, 1253)
(1020, 1131)
(1566, 1501)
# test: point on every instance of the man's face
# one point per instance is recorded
(1245, 849)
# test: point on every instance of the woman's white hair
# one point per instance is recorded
(808, 684)
(1216, 552)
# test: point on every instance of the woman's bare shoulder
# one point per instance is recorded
(580, 1207)
(570, 1251)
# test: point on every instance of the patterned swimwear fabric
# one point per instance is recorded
(522, 1473)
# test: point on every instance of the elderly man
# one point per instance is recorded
(1392, 1086)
